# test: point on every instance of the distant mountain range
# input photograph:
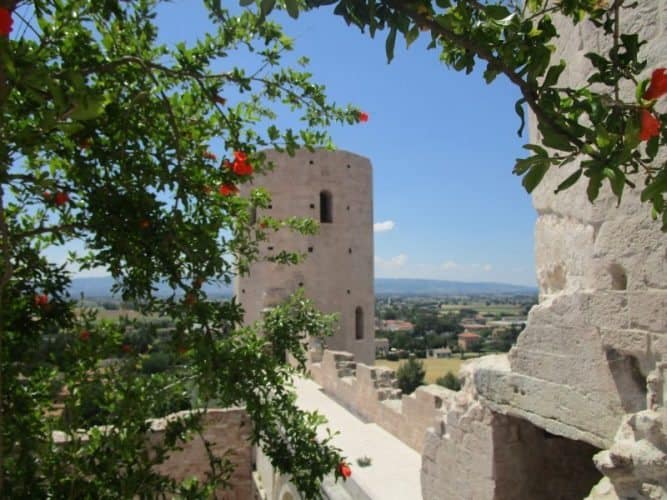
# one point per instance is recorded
(101, 287)
(400, 286)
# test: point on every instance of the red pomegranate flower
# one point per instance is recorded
(240, 156)
(61, 198)
(363, 117)
(126, 348)
(344, 470)
(658, 86)
(209, 155)
(47, 195)
(228, 189)
(41, 299)
(6, 21)
(144, 224)
(84, 335)
(650, 126)
(242, 168)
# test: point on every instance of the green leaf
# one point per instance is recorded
(535, 174)
(538, 150)
(652, 147)
(594, 185)
(245, 3)
(553, 139)
(266, 7)
(389, 45)
(411, 36)
(496, 11)
(553, 74)
(616, 179)
(656, 187)
(88, 108)
(569, 182)
(292, 8)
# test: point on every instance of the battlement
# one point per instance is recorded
(372, 393)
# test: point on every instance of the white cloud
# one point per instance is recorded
(392, 263)
(381, 227)
(449, 265)
(487, 267)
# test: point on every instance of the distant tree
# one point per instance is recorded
(390, 314)
(410, 375)
(450, 381)
(466, 312)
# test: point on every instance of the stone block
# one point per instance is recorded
(648, 310)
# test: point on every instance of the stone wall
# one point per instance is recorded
(477, 453)
(601, 325)
(589, 371)
(228, 432)
(372, 393)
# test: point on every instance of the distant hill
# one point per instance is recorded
(396, 286)
(101, 287)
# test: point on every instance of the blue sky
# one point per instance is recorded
(442, 145)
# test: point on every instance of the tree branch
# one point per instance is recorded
(529, 93)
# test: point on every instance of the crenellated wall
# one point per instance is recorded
(372, 393)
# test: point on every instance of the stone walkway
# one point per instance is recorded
(394, 470)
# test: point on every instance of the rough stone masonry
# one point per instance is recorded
(586, 382)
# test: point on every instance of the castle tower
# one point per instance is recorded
(334, 188)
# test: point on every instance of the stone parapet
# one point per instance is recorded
(372, 393)
(227, 432)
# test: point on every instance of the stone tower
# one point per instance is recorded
(334, 188)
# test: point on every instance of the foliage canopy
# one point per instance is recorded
(118, 143)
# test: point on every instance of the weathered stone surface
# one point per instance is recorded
(604, 490)
(636, 464)
(591, 357)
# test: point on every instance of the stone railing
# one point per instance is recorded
(372, 393)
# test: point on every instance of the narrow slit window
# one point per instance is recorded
(359, 323)
(326, 207)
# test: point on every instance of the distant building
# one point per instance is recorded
(468, 340)
(474, 324)
(508, 322)
(441, 352)
(397, 325)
